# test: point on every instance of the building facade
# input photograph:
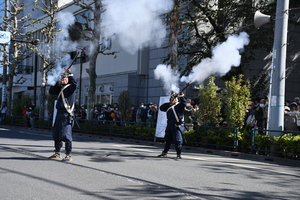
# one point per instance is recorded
(132, 72)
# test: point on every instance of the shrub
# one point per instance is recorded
(209, 112)
(211, 137)
(289, 145)
(236, 98)
(263, 142)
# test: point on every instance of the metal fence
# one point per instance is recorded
(216, 137)
(286, 145)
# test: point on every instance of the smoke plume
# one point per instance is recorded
(136, 24)
(224, 56)
(61, 46)
(168, 76)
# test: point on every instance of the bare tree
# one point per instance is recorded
(175, 29)
(49, 58)
(97, 9)
(18, 50)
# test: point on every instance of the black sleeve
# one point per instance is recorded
(72, 81)
(55, 89)
(164, 107)
(73, 84)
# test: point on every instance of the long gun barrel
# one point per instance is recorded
(176, 95)
(187, 85)
(73, 60)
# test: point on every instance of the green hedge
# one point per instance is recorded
(211, 137)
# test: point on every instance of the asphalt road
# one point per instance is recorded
(112, 168)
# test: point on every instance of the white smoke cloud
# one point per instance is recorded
(61, 46)
(168, 76)
(136, 24)
(55, 74)
(224, 56)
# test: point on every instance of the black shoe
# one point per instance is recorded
(178, 157)
(163, 155)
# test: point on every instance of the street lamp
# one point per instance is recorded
(82, 60)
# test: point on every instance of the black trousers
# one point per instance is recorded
(173, 135)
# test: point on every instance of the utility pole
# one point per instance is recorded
(277, 96)
(6, 58)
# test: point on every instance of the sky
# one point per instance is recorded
(1, 7)
(1, 14)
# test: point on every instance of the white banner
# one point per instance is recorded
(161, 118)
(4, 37)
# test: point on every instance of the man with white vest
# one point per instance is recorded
(64, 119)
(174, 130)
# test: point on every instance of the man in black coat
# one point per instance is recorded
(63, 121)
(174, 130)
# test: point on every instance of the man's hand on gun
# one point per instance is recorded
(68, 71)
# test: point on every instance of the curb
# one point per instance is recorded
(232, 154)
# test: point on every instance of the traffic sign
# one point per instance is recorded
(4, 37)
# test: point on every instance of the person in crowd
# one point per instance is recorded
(260, 116)
(96, 112)
(294, 106)
(250, 116)
(102, 114)
(140, 113)
(36, 112)
(224, 124)
(25, 116)
(64, 119)
(144, 114)
(155, 114)
(107, 110)
(295, 111)
(287, 103)
(117, 114)
(290, 120)
(34, 115)
(250, 109)
(174, 130)
(82, 112)
(133, 114)
(150, 114)
(31, 116)
(4, 110)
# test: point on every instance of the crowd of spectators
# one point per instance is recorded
(145, 114)
(256, 114)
